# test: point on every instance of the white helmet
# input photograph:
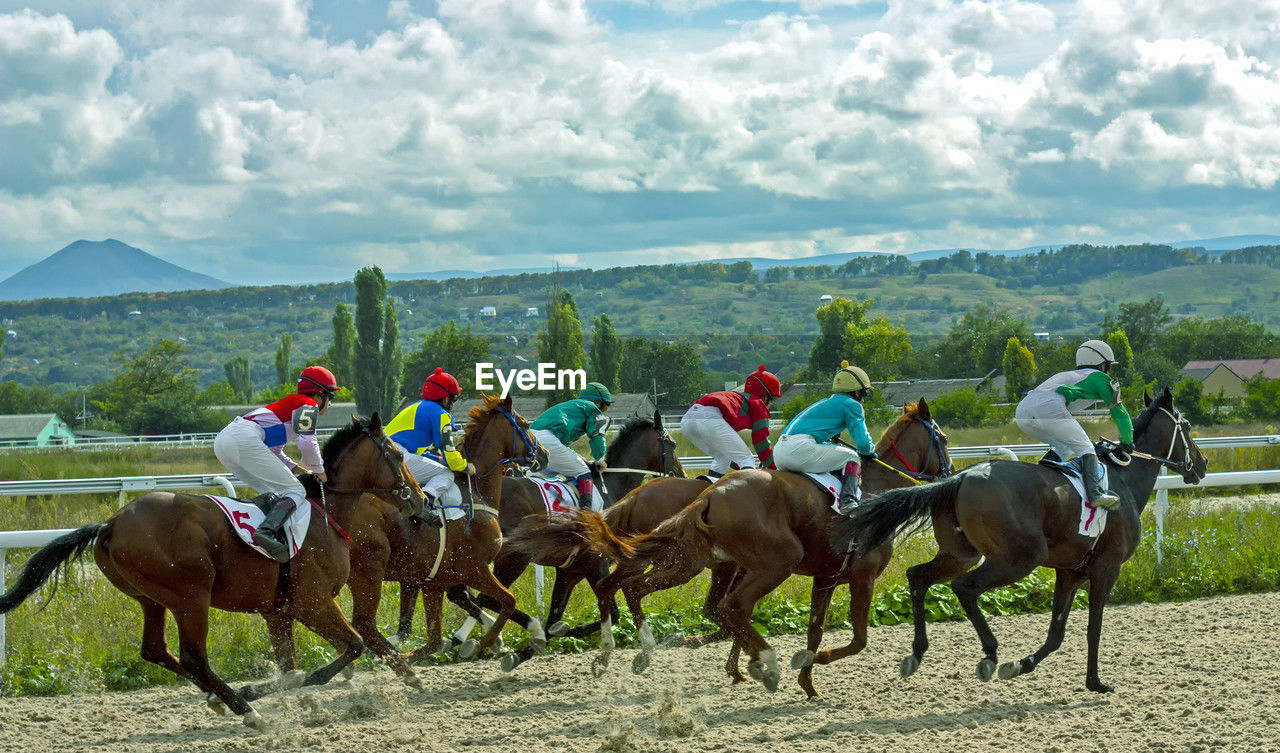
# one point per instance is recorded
(1094, 353)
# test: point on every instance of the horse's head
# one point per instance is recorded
(360, 457)
(1165, 434)
(916, 444)
(497, 436)
(644, 444)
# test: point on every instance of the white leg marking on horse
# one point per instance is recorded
(487, 619)
(254, 719)
(647, 642)
(536, 633)
(468, 625)
(606, 634)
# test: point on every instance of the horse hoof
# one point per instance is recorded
(348, 671)
(755, 668)
(538, 646)
(216, 705)
(986, 668)
(413, 681)
(908, 666)
(674, 640)
(558, 629)
(600, 665)
(641, 662)
(770, 680)
(468, 649)
(1009, 670)
(1099, 687)
(395, 640)
(509, 661)
(291, 679)
(802, 659)
(254, 719)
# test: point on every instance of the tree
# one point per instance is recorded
(1261, 398)
(606, 349)
(1122, 372)
(1199, 339)
(283, 373)
(674, 368)
(342, 351)
(1, 343)
(370, 369)
(1141, 322)
(237, 371)
(161, 370)
(845, 333)
(560, 342)
(448, 347)
(392, 356)
(975, 345)
(1019, 369)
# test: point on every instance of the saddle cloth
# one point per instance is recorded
(245, 518)
(1092, 519)
(557, 493)
(830, 483)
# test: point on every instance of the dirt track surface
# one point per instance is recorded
(1199, 676)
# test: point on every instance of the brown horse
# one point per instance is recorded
(767, 524)
(1019, 516)
(178, 553)
(642, 449)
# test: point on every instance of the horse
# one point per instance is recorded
(769, 525)
(178, 553)
(1015, 516)
(641, 450)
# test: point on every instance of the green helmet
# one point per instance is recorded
(596, 391)
(850, 379)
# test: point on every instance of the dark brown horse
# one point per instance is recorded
(769, 525)
(641, 450)
(178, 553)
(1019, 516)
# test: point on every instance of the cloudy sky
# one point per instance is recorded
(287, 140)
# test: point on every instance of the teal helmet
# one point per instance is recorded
(596, 391)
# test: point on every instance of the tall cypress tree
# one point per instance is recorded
(606, 352)
(560, 342)
(342, 352)
(283, 374)
(237, 371)
(392, 358)
(370, 375)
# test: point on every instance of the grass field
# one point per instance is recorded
(87, 637)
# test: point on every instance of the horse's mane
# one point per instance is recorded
(625, 436)
(477, 418)
(895, 429)
(334, 446)
(1143, 419)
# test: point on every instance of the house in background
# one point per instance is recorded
(1229, 376)
(36, 430)
(490, 312)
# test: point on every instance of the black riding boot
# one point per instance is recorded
(270, 535)
(432, 514)
(849, 492)
(1097, 497)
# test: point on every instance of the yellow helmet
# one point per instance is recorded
(850, 379)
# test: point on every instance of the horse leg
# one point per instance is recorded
(735, 612)
(466, 601)
(968, 587)
(674, 572)
(484, 581)
(819, 603)
(561, 590)
(193, 635)
(155, 648)
(433, 616)
(1101, 580)
(323, 617)
(731, 665)
(606, 591)
(366, 593)
(945, 566)
(507, 568)
(723, 576)
(280, 634)
(408, 598)
(1064, 591)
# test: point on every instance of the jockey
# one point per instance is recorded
(1045, 414)
(426, 427)
(712, 423)
(252, 447)
(562, 424)
(809, 444)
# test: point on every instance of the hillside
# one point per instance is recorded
(735, 319)
(101, 268)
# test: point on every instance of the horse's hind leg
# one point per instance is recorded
(1064, 591)
(723, 576)
(735, 614)
(193, 635)
(968, 587)
(366, 594)
(408, 599)
(946, 566)
(325, 619)
(484, 581)
(155, 648)
(666, 574)
(819, 603)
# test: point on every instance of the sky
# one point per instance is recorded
(277, 141)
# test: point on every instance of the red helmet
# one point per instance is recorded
(440, 386)
(763, 384)
(317, 379)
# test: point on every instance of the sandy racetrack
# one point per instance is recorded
(1199, 676)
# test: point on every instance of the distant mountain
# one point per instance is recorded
(1229, 243)
(87, 269)
(449, 274)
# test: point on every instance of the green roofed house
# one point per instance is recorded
(36, 430)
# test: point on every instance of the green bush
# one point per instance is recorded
(962, 408)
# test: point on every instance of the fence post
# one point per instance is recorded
(1162, 508)
(537, 587)
(4, 561)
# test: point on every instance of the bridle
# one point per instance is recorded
(401, 491)
(935, 445)
(671, 469)
(1181, 430)
(529, 459)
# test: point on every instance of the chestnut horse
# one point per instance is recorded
(769, 525)
(178, 553)
(1014, 517)
(642, 449)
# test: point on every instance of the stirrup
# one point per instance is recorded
(278, 550)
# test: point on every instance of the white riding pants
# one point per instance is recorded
(561, 459)
(239, 447)
(1049, 421)
(801, 452)
(706, 429)
(435, 478)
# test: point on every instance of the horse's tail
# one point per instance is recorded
(60, 552)
(556, 538)
(883, 517)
